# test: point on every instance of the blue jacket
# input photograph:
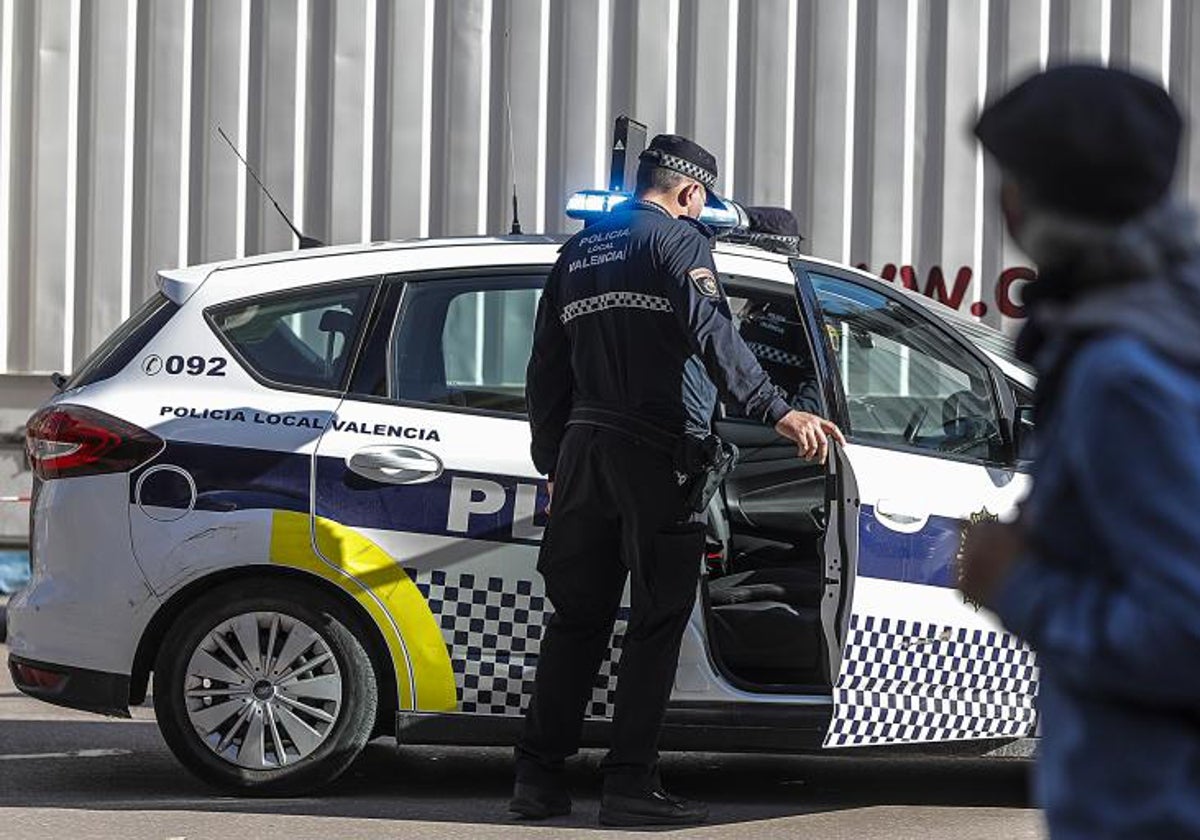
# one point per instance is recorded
(1110, 595)
(634, 321)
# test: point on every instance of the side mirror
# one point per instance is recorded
(1024, 436)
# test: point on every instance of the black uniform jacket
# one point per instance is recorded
(778, 341)
(633, 320)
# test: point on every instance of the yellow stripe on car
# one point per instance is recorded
(352, 562)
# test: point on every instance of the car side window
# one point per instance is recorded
(300, 338)
(906, 382)
(465, 342)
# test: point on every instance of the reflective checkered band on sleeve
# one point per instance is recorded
(908, 682)
(773, 354)
(493, 630)
(613, 300)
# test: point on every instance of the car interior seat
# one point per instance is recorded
(336, 322)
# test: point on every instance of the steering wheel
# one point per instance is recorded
(914, 424)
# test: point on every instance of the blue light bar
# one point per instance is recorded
(592, 205)
(728, 215)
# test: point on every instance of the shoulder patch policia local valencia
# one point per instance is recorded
(705, 281)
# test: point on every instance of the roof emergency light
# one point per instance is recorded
(629, 140)
(593, 205)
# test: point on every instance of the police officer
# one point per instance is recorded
(777, 340)
(634, 339)
(771, 328)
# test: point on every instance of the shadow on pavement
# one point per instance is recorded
(467, 785)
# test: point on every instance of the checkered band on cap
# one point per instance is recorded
(684, 167)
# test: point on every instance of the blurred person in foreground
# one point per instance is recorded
(1101, 572)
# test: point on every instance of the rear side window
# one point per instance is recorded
(302, 338)
(120, 348)
(466, 342)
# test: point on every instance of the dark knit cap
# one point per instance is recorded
(1091, 141)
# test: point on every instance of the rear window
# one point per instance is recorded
(302, 338)
(120, 348)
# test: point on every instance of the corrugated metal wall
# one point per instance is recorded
(376, 119)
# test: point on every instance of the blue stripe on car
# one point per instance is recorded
(232, 478)
(236, 478)
(925, 557)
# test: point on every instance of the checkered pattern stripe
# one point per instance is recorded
(493, 629)
(613, 300)
(909, 681)
(684, 167)
(773, 354)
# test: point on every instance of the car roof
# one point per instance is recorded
(178, 284)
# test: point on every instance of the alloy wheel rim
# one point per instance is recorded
(263, 690)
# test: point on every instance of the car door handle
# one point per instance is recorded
(395, 464)
(897, 518)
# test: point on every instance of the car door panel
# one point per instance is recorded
(450, 531)
(917, 663)
(442, 485)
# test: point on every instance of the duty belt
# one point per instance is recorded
(701, 463)
(624, 423)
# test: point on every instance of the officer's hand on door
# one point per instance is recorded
(810, 433)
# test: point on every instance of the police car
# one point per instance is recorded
(296, 490)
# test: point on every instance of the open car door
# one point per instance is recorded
(928, 455)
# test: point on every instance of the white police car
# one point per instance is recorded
(296, 488)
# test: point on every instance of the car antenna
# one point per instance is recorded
(305, 241)
(512, 148)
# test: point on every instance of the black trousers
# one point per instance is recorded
(617, 514)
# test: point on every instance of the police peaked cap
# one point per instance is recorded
(670, 151)
(1087, 140)
(773, 228)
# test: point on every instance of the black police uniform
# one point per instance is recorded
(631, 328)
(779, 343)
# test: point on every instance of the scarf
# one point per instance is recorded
(1141, 278)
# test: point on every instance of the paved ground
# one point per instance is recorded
(72, 775)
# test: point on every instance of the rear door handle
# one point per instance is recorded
(898, 518)
(395, 464)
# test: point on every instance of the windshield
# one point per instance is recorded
(991, 341)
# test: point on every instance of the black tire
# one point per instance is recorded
(356, 713)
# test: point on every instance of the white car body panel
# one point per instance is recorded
(87, 602)
(904, 600)
(110, 552)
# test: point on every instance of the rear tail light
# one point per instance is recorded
(37, 679)
(70, 440)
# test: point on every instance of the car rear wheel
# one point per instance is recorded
(263, 689)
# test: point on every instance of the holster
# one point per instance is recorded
(701, 464)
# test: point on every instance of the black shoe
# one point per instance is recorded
(531, 802)
(653, 807)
